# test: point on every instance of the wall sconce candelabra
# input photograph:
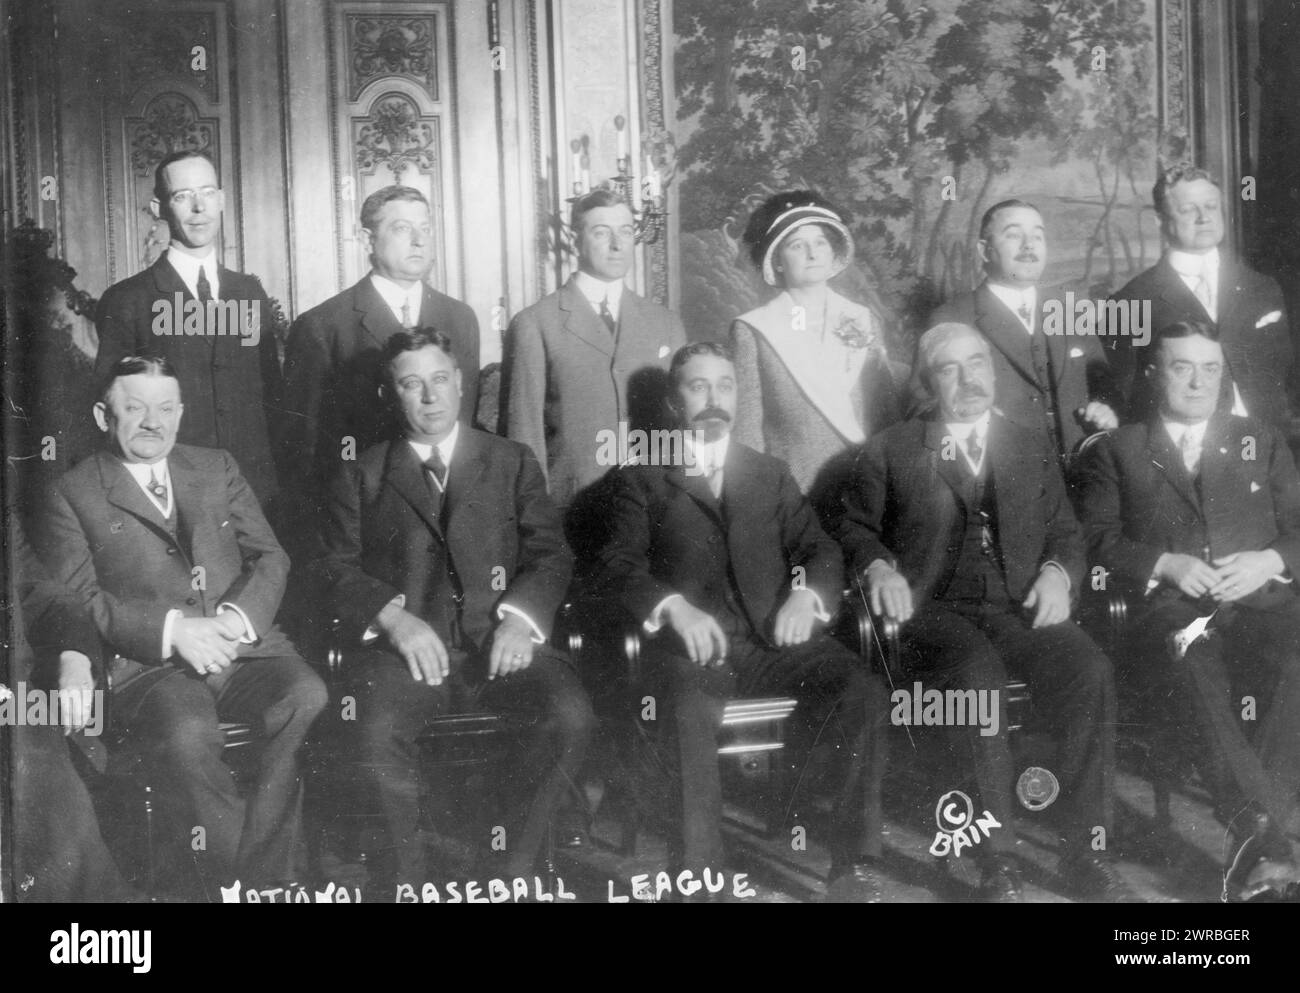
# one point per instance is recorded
(645, 196)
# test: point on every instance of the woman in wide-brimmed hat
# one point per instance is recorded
(813, 376)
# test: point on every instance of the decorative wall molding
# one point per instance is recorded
(656, 130)
(395, 134)
(1173, 27)
(541, 174)
(170, 123)
(388, 47)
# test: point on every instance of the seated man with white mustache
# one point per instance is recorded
(958, 525)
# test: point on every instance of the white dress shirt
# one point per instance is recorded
(1192, 268)
(960, 432)
(1016, 300)
(597, 290)
(396, 296)
(1179, 431)
(187, 267)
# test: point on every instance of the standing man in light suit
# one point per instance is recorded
(587, 357)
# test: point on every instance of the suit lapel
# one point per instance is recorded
(1176, 294)
(188, 489)
(581, 321)
(697, 487)
(1216, 461)
(403, 472)
(940, 443)
(1004, 331)
(374, 315)
(468, 461)
(124, 493)
(1169, 461)
(1228, 300)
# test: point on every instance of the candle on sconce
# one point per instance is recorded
(620, 126)
(575, 146)
(586, 174)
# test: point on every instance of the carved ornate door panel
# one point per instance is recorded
(394, 121)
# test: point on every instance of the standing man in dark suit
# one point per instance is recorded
(168, 547)
(587, 358)
(332, 364)
(1197, 281)
(190, 310)
(722, 558)
(1195, 513)
(960, 527)
(447, 563)
(1056, 385)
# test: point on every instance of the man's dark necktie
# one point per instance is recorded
(1026, 314)
(406, 317)
(607, 316)
(157, 487)
(437, 468)
(973, 446)
(203, 286)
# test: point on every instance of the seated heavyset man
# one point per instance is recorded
(959, 525)
(722, 558)
(1196, 513)
(446, 562)
(168, 546)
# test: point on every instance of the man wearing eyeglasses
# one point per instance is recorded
(212, 323)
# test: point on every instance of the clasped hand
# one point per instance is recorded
(1229, 578)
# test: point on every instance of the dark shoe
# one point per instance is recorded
(1095, 878)
(1000, 881)
(856, 882)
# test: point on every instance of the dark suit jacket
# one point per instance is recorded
(1138, 501)
(1080, 371)
(671, 536)
(905, 508)
(231, 391)
(499, 534)
(331, 372)
(565, 379)
(103, 538)
(55, 620)
(1258, 358)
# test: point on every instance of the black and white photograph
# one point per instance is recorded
(651, 451)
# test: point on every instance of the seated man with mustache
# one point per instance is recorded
(959, 527)
(723, 561)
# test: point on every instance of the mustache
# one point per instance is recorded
(712, 414)
(974, 392)
(1027, 257)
